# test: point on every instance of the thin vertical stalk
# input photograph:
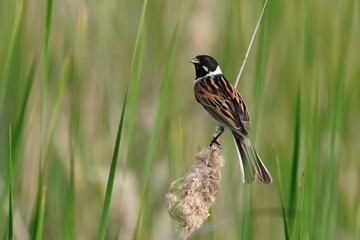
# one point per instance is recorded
(158, 117)
(45, 69)
(110, 183)
(296, 150)
(250, 44)
(281, 189)
(36, 225)
(39, 228)
(135, 81)
(10, 222)
(10, 53)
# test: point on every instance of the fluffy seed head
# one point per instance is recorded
(190, 198)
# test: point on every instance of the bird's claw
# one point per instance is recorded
(214, 141)
(216, 137)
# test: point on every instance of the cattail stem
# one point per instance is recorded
(250, 44)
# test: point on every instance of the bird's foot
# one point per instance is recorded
(214, 141)
(216, 137)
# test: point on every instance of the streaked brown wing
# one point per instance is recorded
(222, 101)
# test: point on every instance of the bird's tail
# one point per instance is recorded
(250, 162)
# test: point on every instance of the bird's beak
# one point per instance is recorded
(194, 60)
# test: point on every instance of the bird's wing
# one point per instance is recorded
(223, 102)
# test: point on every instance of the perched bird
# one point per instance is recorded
(223, 103)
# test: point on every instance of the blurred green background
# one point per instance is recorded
(65, 67)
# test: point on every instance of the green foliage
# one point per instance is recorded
(160, 108)
(110, 183)
(65, 68)
(10, 51)
(11, 216)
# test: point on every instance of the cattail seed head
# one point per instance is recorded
(190, 198)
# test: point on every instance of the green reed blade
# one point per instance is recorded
(110, 183)
(158, 117)
(281, 189)
(10, 222)
(10, 52)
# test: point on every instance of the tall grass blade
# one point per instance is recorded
(311, 163)
(19, 126)
(158, 116)
(69, 221)
(110, 183)
(45, 73)
(39, 227)
(34, 225)
(64, 77)
(296, 149)
(301, 216)
(283, 206)
(10, 223)
(338, 95)
(329, 208)
(10, 52)
(356, 223)
(299, 200)
(37, 222)
(20, 123)
(134, 84)
(259, 80)
(135, 81)
(302, 106)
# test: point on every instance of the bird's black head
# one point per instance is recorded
(205, 65)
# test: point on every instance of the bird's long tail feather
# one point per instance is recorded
(250, 162)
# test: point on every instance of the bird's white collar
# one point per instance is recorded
(213, 73)
(216, 72)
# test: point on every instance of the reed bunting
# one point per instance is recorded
(223, 103)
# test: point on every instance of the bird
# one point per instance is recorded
(224, 105)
